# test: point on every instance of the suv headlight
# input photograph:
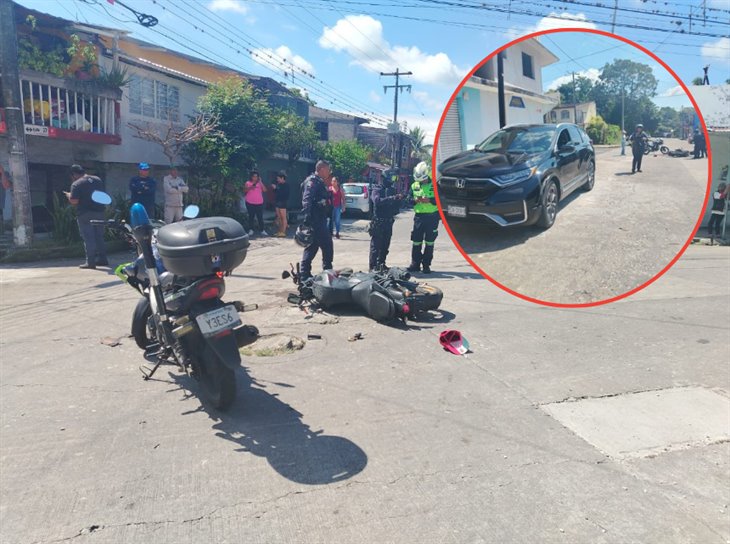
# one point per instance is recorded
(514, 177)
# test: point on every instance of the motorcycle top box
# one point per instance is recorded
(200, 247)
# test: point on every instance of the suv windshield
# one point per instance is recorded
(527, 140)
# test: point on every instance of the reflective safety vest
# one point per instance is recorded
(423, 191)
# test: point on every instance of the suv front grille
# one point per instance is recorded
(466, 189)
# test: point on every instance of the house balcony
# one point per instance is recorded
(69, 109)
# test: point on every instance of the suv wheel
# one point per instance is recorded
(550, 199)
(590, 182)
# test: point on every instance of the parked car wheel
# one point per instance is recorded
(550, 200)
(591, 181)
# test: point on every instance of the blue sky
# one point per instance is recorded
(336, 48)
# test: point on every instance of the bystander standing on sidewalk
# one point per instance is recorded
(87, 210)
(281, 200)
(142, 189)
(175, 187)
(719, 207)
(338, 206)
(254, 190)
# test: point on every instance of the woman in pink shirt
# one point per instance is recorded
(254, 190)
(338, 206)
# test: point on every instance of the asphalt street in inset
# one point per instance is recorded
(606, 425)
(604, 242)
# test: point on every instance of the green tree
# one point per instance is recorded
(669, 120)
(246, 130)
(601, 132)
(583, 91)
(421, 151)
(348, 159)
(294, 136)
(697, 81)
(637, 84)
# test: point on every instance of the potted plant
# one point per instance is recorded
(83, 59)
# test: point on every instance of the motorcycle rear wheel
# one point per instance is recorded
(427, 297)
(217, 381)
(664, 149)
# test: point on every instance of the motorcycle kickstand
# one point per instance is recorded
(146, 375)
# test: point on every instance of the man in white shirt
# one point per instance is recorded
(174, 189)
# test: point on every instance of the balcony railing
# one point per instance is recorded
(69, 109)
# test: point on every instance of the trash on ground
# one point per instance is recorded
(355, 337)
(111, 342)
(314, 337)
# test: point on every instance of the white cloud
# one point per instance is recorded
(591, 73)
(375, 97)
(674, 91)
(281, 57)
(228, 5)
(361, 37)
(554, 20)
(426, 100)
(718, 51)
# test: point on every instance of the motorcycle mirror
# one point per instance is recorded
(285, 275)
(100, 197)
(191, 211)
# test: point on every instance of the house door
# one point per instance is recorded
(450, 137)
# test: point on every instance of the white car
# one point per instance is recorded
(357, 197)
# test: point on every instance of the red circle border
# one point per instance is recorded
(635, 289)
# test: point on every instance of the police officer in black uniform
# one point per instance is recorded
(386, 205)
(316, 200)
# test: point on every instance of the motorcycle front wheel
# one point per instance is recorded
(140, 318)
(664, 149)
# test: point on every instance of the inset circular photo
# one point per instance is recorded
(572, 167)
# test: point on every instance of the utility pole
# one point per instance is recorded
(623, 131)
(575, 101)
(500, 90)
(395, 130)
(613, 22)
(22, 218)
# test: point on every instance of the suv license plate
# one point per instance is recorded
(349, 199)
(456, 211)
(218, 320)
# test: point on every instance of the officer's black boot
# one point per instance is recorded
(416, 258)
(427, 258)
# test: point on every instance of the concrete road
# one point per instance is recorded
(387, 439)
(605, 242)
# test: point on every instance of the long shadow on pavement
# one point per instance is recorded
(262, 424)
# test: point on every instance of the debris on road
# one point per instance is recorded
(355, 337)
(314, 337)
(111, 342)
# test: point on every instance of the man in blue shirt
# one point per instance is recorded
(142, 188)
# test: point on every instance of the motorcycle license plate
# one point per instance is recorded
(456, 211)
(218, 320)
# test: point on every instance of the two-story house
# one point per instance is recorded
(72, 116)
(474, 113)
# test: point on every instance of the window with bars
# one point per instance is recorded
(152, 98)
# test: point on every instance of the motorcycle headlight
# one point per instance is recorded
(504, 180)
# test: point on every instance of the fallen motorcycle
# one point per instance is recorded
(384, 296)
(681, 153)
(181, 318)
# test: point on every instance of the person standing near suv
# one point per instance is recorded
(426, 220)
(82, 187)
(639, 141)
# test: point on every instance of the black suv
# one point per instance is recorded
(518, 175)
